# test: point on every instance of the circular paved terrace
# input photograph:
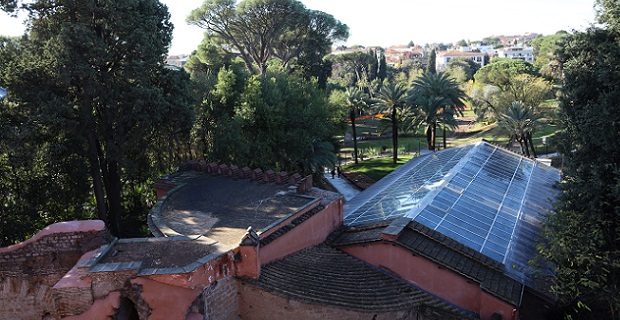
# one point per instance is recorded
(221, 208)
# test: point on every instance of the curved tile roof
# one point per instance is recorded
(328, 276)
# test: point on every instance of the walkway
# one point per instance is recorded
(343, 186)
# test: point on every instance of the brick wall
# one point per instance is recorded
(222, 302)
(29, 270)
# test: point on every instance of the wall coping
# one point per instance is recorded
(60, 227)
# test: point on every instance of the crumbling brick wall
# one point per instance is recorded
(29, 270)
(222, 300)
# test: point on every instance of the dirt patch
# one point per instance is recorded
(360, 180)
(159, 254)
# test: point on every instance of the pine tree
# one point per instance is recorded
(430, 66)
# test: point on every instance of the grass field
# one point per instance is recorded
(377, 168)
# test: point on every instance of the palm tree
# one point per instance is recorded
(447, 91)
(432, 111)
(355, 102)
(391, 99)
(520, 122)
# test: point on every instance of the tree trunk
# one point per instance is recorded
(86, 118)
(114, 197)
(531, 141)
(352, 117)
(444, 137)
(394, 135)
(95, 173)
(429, 137)
(524, 147)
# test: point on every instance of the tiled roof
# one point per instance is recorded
(461, 259)
(328, 276)
(349, 236)
(444, 251)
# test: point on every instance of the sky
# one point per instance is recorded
(396, 22)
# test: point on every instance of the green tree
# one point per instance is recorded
(280, 122)
(502, 70)
(434, 89)
(520, 122)
(462, 43)
(382, 72)
(462, 69)
(355, 103)
(102, 82)
(608, 13)
(583, 231)
(432, 60)
(545, 49)
(8, 5)
(390, 99)
(352, 69)
(432, 111)
(260, 30)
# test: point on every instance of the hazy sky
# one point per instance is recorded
(391, 22)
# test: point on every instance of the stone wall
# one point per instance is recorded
(29, 270)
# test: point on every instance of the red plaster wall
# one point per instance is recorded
(249, 264)
(490, 304)
(214, 270)
(310, 233)
(287, 221)
(429, 277)
(102, 309)
(166, 302)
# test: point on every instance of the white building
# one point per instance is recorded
(523, 53)
(444, 57)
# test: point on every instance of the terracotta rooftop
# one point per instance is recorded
(328, 276)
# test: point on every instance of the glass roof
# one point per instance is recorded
(482, 196)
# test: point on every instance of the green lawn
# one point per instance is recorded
(377, 168)
(379, 149)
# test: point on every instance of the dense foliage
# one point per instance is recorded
(583, 232)
(92, 114)
(258, 31)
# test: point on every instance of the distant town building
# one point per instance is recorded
(395, 55)
(444, 57)
(177, 60)
(517, 39)
(523, 53)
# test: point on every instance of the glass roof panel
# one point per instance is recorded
(485, 197)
